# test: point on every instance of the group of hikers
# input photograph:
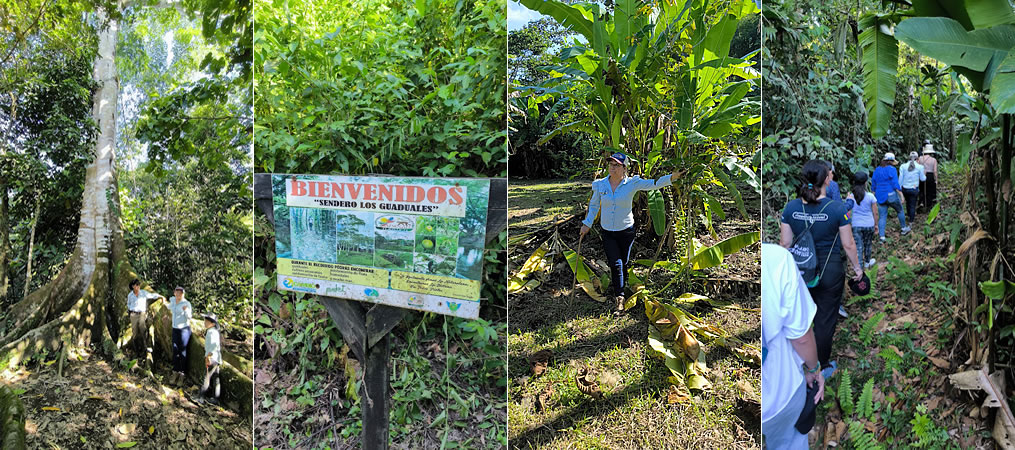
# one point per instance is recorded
(181, 312)
(803, 279)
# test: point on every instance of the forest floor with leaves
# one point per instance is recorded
(446, 383)
(546, 408)
(98, 405)
(900, 343)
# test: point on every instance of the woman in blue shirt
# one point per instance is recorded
(611, 200)
(885, 183)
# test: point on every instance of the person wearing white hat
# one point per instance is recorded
(928, 188)
(885, 183)
(910, 176)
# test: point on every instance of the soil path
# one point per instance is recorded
(903, 337)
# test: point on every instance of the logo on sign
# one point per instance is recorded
(415, 301)
(294, 285)
(371, 292)
(453, 306)
(395, 223)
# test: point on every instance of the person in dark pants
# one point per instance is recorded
(832, 232)
(180, 308)
(928, 189)
(910, 176)
(612, 199)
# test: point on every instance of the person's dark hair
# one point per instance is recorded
(885, 162)
(813, 177)
(135, 282)
(859, 189)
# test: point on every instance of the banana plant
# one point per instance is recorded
(655, 80)
(975, 38)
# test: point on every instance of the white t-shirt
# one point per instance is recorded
(787, 312)
(910, 179)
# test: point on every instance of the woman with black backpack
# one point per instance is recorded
(816, 229)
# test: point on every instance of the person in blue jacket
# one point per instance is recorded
(612, 198)
(888, 191)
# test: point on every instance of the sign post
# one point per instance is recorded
(388, 244)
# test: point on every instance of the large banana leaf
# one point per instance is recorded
(945, 40)
(713, 256)
(1002, 88)
(566, 15)
(972, 14)
(880, 66)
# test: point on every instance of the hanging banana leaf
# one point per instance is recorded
(880, 67)
(657, 209)
(1002, 88)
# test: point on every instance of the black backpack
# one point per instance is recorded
(805, 253)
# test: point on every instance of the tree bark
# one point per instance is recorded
(31, 247)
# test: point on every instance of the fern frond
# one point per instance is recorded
(865, 406)
(868, 327)
(846, 393)
(861, 438)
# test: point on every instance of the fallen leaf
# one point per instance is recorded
(50, 408)
(128, 444)
(940, 363)
(151, 429)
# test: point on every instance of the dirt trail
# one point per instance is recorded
(101, 406)
(904, 338)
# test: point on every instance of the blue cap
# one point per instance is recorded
(621, 158)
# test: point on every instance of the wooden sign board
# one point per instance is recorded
(407, 242)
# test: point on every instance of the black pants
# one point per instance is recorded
(181, 337)
(618, 251)
(912, 197)
(828, 296)
(928, 191)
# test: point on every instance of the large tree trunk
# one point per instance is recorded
(73, 308)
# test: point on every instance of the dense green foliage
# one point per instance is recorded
(185, 162)
(192, 228)
(50, 137)
(402, 88)
(814, 88)
(380, 87)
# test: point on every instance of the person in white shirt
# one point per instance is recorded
(137, 312)
(911, 175)
(789, 353)
(612, 199)
(212, 359)
(181, 311)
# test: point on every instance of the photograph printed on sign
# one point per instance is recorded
(406, 242)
